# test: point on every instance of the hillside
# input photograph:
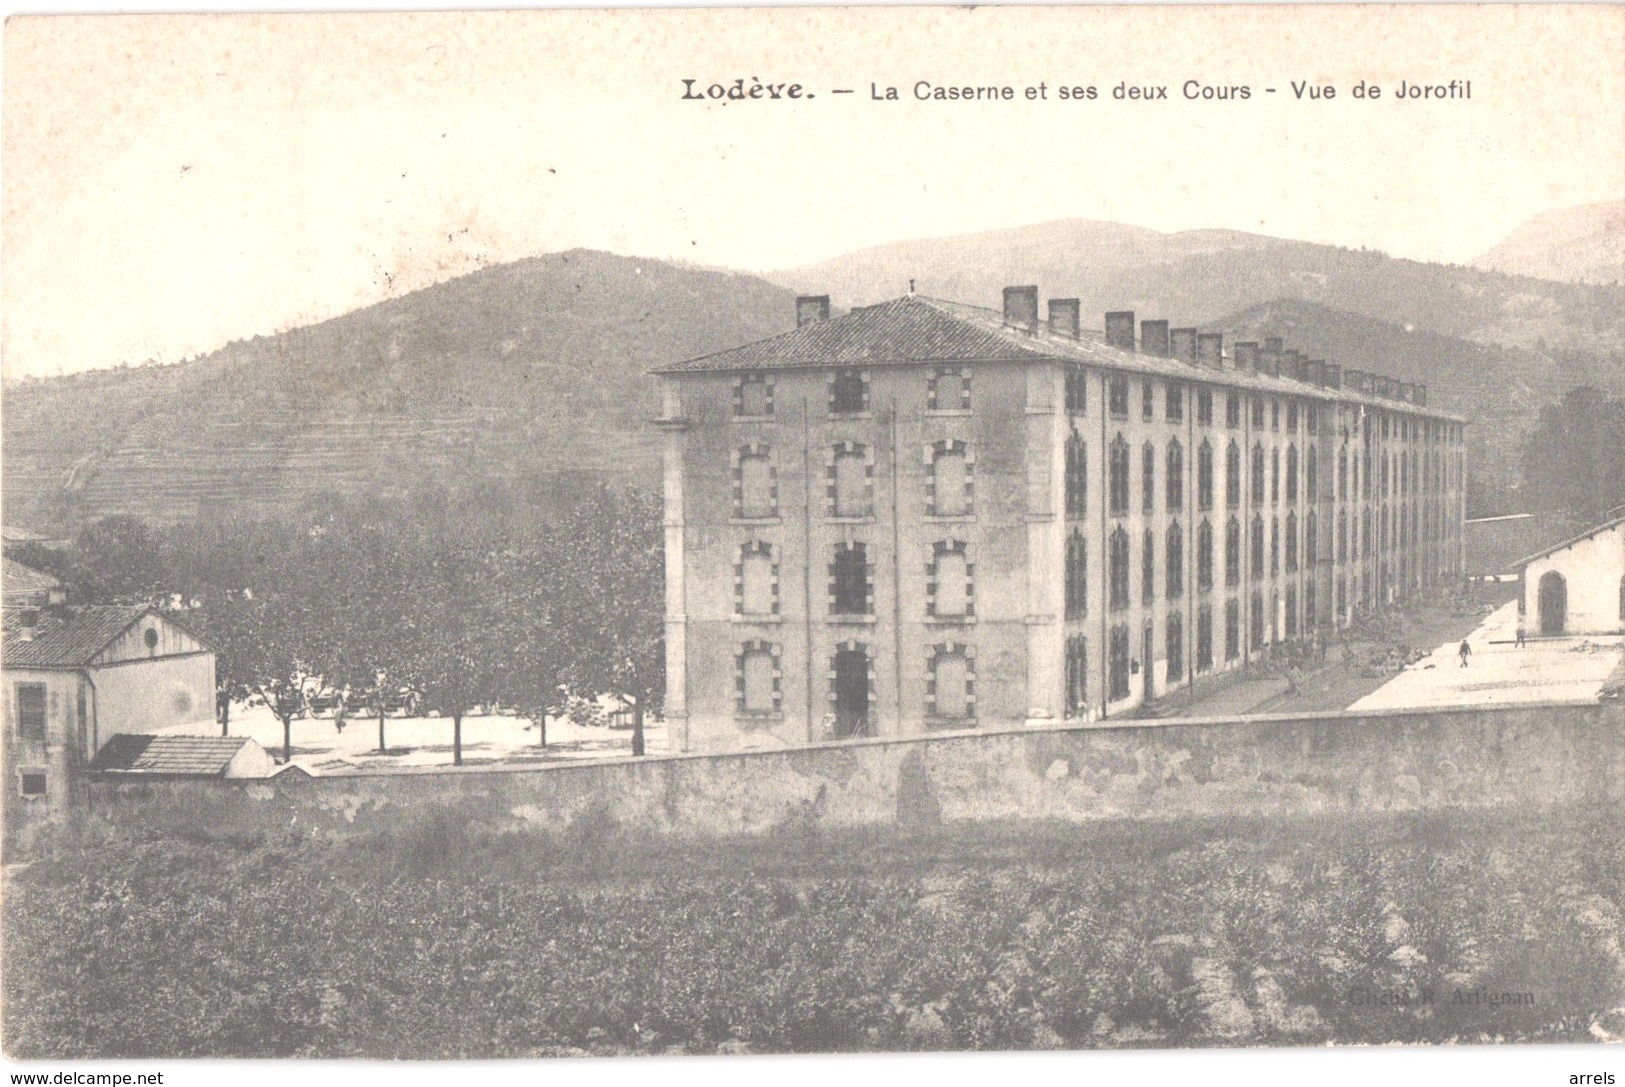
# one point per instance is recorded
(1499, 390)
(1584, 244)
(1198, 277)
(524, 371)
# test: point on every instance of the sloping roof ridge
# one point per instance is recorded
(1571, 541)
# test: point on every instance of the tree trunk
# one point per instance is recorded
(541, 725)
(457, 739)
(287, 739)
(225, 717)
(381, 748)
(637, 726)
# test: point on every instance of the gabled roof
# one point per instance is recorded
(1570, 542)
(916, 329)
(74, 641)
(173, 756)
(15, 578)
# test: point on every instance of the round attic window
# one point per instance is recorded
(151, 638)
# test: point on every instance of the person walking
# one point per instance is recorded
(1519, 643)
(1465, 651)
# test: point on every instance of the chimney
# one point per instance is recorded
(1210, 350)
(1247, 356)
(1334, 375)
(1421, 397)
(1154, 338)
(1184, 345)
(811, 308)
(1290, 361)
(1316, 369)
(27, 624)
(1120, 330)
(1269, 359)
(1272, 343)
(1021, 308)
(1064, 317)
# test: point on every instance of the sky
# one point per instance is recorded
(171, 183)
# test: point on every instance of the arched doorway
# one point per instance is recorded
(851, 691)
(1552, 603)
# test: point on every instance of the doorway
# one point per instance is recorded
(851, 694)
(1553, 603)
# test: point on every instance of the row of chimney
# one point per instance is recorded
(1203, 349)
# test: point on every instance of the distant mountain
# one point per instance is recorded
(1584, 244)
(535, 369)
(1499, 390)
(1197, 277)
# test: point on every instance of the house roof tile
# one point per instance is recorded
(72, 642)
(175, 756)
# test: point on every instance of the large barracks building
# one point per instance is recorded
(926, 515)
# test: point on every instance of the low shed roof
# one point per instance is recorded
(168, 756)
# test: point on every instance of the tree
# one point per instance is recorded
(452, 645)
(1574, 459)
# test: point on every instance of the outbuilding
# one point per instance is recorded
(1577, 586)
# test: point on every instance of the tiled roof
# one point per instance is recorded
(1493, 545)
(20, 579)
(71, 642)
(181, 756)
(1586, 535)
(917, 329)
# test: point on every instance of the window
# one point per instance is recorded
(1232, 553)
(1176, 647)
(950, 483)
(1077, 476)
(1311, 415)
(755, 483)
(1292, 475)
(848, 392)
(31, 783)
(1204, 556)
(1258, 546)
(1175, 402)
(1291, 543)
(1258, 413)
(948, 389)
(850, 482)
(1148, 477)
(1077, 675)
(1119, 476)
(1117, 670)
(1311, 475)
(1257, 624)
(753, 395)
(1232, 630)
(1148, 401)
(756, 580)
(1232, 410)
(1176, 562)
(1342, 474)
(1148, 567)
(1232, 476)
(849, 576)
(1311, 525)
(1365, 532)
(1176, 476)
(1117, 567)
(1258, 474)
(951, 687)
(1275, 545)
(948, 581)
(1292, 418)
(1204, 476)
(757, 679)
(1077, 391)
(1204, 407)
(1291, 611)
(1117, 398)
(1309, 606)
(1077, 576)
(1275, 475)
(1275, 415)
(1204, 639)
(31, 711)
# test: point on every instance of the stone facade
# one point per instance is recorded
(924, 516)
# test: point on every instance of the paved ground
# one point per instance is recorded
(414, 742)
(1544, 670)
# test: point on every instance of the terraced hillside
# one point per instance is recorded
(533, 369)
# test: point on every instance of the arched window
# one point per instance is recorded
(1148, 477)
(1117, 569)
(850, 591)
(1275, 544)
(1204, 476)
(1077, 576)
(951, 687)
(1119, 476)
(950, 480)
(1077, 476)
(1148, 567)
(757, 580)
(1257, 624)
(1342, 475)
(1291, 475)
(948, 389)
(1232, 553)
(1117, 663)
(948, 580)
(1176, 647)
(1258, 473)
(1232, 476)
(1176, 476)
(756, 679)
(1204, 638)
(1258, 545)
(1311, 474)
(1204, 556)
(755, 483)
(1291, 543)
(850, 481)
(1176, 561)
(1077, 675)
(1275, 475)
(1311, 548)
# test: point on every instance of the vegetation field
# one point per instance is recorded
(437, 942)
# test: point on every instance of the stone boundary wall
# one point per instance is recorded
(1481, 757)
